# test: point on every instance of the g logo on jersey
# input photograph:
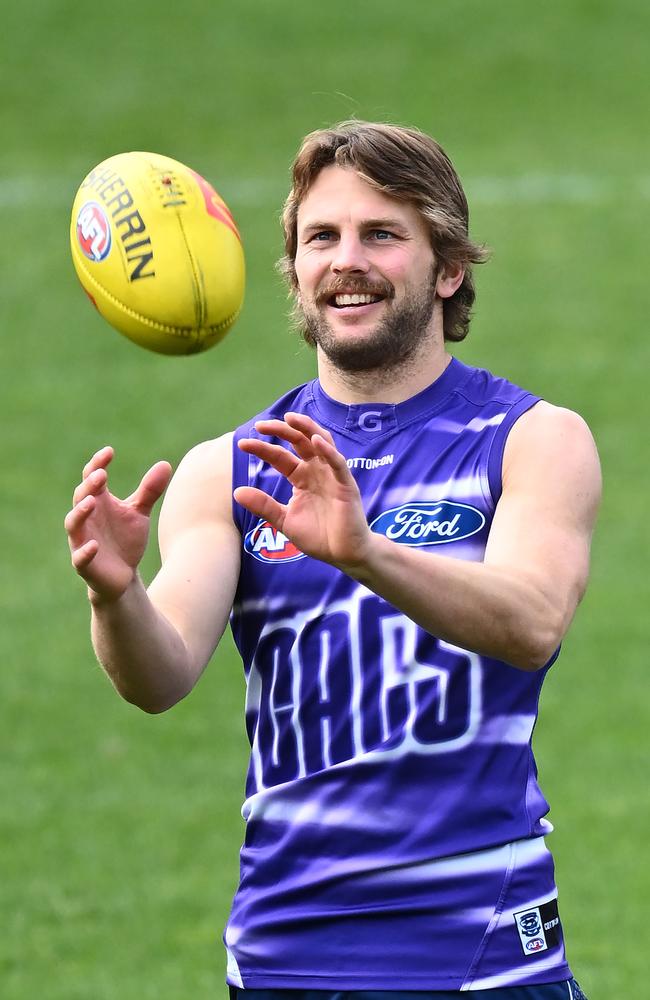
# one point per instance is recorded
(269, 545)
(429, 522)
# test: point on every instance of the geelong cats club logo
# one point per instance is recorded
(539, 927)
(269, 545)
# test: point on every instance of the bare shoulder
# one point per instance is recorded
(200, 491)
(207, 461)
(555, 423)
(553, 448)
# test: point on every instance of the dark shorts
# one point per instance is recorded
(549, 991)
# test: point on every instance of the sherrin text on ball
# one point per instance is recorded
(158, 252)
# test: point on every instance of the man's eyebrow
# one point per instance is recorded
(384, 223)
(312, 227)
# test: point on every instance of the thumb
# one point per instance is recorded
(151, 488)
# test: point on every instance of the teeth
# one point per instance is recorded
(355, 300)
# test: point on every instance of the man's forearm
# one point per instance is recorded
(475, 606)
(140, 650)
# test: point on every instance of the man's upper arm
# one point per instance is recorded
(200, 549)
(545, 518)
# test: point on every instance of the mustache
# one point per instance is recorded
(354, 286)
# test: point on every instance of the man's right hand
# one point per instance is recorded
(108, 536)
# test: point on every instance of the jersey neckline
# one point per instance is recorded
(373, 418)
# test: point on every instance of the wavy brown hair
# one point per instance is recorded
(405, 164)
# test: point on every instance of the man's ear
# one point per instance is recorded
(449, 281)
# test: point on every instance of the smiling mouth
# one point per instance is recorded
(342, 300)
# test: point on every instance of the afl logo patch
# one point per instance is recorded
(94, 231)
(269, 545)
(428, 522)
(539, 927)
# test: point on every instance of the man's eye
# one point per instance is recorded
(381, 234)
(322, 236)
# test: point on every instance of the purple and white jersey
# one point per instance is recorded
(394, 824)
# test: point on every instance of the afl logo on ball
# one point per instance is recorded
(93, 231)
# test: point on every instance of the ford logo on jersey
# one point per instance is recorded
(429, 522)
(269, 545)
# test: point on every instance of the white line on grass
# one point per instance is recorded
(27, 190)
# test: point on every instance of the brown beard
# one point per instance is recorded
(396, 337)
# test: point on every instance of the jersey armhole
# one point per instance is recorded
(240, 475)
(498, 445)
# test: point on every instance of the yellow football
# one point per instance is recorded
(158, 252)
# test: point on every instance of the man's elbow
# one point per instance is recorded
(154, 702)
(532, 659)
(532, 648)
(154, 707)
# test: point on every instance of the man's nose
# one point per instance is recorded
(350, 256)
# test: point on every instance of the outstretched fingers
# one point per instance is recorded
(77, 517)
(327, 450)
(151, 488)
(261, 505)
(299, 441)
(93, 483)
(307, 427)
(281, 459)
(297, 430)
(82, 549)
(307, 439)
(83, 555)
(100, 460)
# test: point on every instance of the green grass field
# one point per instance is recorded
(119, 832)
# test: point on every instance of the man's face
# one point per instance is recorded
(366, 272)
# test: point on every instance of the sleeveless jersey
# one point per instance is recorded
(394, 824)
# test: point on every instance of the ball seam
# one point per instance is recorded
(184, 331)
(196, 276)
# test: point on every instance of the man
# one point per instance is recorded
(408, 543)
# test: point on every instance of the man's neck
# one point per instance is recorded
(392, 385)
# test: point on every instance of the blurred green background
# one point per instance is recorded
(119, 832)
